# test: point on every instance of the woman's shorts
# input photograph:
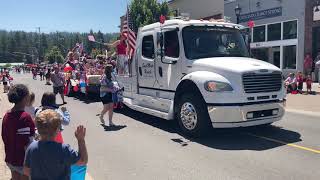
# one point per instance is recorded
(5, 83)
(18, 169)
(57, 90)
(107, 99)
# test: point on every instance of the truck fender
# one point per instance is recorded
(194, 82)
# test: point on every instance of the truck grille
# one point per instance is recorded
(262, 83)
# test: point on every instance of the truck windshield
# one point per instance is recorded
(205, 42)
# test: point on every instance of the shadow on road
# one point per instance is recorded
(87, 99)
(253, 138)
(113, 128)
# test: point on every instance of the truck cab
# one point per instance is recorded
(200, 73)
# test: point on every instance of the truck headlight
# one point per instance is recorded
(214, 86)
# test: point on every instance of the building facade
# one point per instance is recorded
(284, 30)
(199, 9)
(278, 35)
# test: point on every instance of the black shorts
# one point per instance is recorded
(5, 83)
(107, 99)
(58, 89)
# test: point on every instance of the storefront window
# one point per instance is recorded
(290, 57)
(290, 30)
(274, 32)
(261, 54)
(259, 34)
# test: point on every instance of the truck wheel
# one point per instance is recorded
(193, 116)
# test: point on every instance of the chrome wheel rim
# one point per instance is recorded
(188, 115)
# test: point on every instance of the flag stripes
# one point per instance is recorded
(127, 31)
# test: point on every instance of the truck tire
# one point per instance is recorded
(192, 115)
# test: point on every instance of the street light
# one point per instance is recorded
(237, 10)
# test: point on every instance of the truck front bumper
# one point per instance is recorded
(245, 115)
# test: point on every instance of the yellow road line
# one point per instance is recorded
(288, 144)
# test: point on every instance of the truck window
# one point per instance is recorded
(171, 44)
(207, 42)
(148, 47)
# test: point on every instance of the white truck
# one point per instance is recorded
(201, 74)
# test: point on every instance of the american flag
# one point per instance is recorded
(127, 31)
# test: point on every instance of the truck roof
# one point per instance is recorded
(190, 22)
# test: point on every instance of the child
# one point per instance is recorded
(300, 82)
(291, 83)
(34, 74)
(47, 159)
(29, 108)
(309, 84)
(17, 130)
(48, 77)
(5, 82)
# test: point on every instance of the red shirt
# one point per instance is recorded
(307, 63)
(122, 49)
(17, 129)
(299, 79)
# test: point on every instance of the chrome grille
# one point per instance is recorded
(262, 83)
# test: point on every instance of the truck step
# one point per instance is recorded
(163, 115)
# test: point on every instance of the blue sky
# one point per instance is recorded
(62, 15)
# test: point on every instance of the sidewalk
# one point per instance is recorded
(5, 173)
(305, 103)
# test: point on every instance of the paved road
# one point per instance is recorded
(150, 148)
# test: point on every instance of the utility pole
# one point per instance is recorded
(39, 50)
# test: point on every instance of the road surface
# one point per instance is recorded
(147, 148)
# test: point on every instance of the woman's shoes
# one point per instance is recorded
(102, 120)
(111, 124)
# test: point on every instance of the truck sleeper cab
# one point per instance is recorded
(200, 73)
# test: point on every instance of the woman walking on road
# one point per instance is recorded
(106, 90)
(58, 81)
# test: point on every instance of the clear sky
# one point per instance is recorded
(62, 15)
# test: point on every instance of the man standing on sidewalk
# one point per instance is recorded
(58, 82)
(317, 65)
(307, 65)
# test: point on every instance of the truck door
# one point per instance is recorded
(168, 68)
(146, 75)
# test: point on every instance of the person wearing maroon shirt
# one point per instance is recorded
(307, 65)
(18, 130)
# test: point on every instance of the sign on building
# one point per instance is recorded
(268, 13)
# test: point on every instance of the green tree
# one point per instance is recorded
(44, 43)
(54, 55)
(28, 42)
(144, 12)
